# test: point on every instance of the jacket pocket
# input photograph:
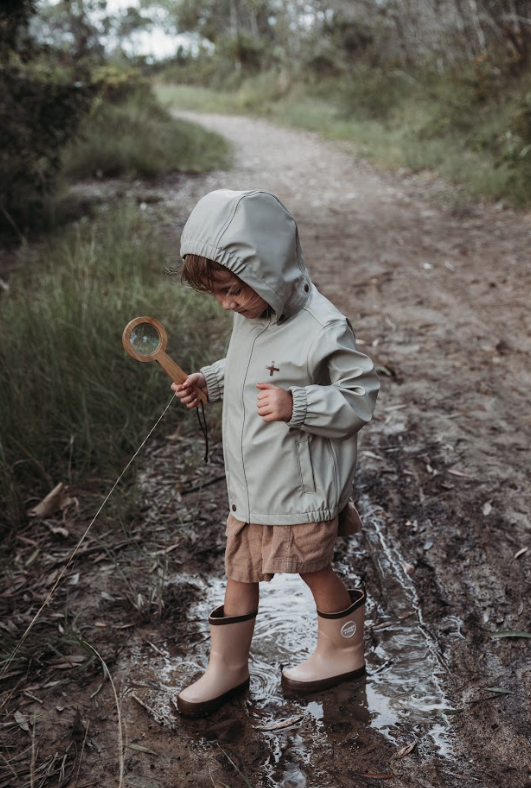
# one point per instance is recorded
(305, 465)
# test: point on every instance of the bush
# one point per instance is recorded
(39, 113)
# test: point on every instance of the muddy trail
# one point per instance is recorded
(438, 293)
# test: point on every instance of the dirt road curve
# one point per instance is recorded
(440, 299)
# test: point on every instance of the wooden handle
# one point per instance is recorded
(176, 374)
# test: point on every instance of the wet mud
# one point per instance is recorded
(438, 293)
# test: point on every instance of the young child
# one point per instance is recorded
(295, 392)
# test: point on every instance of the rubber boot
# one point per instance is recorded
(339, 654)
(227, 673)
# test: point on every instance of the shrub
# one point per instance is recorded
(38, 115)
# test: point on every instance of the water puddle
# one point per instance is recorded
(401, 700)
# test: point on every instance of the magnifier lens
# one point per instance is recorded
(145, 339)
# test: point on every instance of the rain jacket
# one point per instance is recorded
(281, 473)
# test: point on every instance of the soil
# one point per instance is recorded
(438, 292)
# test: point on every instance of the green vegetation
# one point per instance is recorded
(74, 405)
(477, 138)
(138, 138)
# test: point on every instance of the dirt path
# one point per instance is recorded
(439, 299)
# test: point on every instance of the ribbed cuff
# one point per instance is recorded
(300, 406)
(213, 388)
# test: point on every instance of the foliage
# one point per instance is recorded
(73, 402)
(40, 109)
(117, 83)
(73, 29)
(138, 138)
(39, 113)
(14, 19)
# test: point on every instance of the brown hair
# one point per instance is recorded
(201, 273)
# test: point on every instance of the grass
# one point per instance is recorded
(138, 138)
(419, 123)
(74, 404)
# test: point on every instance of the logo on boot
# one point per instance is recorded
(348, 630)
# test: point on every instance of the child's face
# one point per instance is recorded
(232, 294)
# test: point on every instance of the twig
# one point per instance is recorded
(200, 486)
(156, 716)
(118, 713)
(234, 765)
(81, 753)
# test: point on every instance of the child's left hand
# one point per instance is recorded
(274, 403)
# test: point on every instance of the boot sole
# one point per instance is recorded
(305, 687)
(205, 707)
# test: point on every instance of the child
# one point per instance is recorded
(295, 393)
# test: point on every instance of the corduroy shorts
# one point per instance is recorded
(258, 552)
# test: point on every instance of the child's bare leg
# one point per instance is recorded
(329, 592)
(240, 598)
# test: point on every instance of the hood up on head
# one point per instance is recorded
(255, 237)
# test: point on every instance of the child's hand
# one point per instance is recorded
(274, 403)
(185, 390)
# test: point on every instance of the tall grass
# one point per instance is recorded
(138, 137)
(73, 403)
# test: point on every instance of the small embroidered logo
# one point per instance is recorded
(272, 369)
(348, 630)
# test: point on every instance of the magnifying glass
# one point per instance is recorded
(145, 339)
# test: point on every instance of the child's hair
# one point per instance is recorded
(201, 273)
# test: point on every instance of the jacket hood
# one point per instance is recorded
(255, 237)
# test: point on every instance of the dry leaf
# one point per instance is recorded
(22, 721)
(139, 748)
(57, 530)
(32, 557)
(459, 473)
(406, 750)
(51, 503)
(504, 633)
(272, 726)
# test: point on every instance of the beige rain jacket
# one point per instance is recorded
(302, 471)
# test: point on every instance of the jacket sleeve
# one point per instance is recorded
(340, 405)
(215, 379)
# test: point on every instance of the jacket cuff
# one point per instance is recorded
(300, 406)
(214, 390)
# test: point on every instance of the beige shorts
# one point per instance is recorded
(258, 552)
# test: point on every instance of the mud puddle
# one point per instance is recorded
(401, 701)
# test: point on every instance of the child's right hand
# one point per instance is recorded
(185, 391)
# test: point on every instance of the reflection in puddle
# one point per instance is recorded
(401, 698)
